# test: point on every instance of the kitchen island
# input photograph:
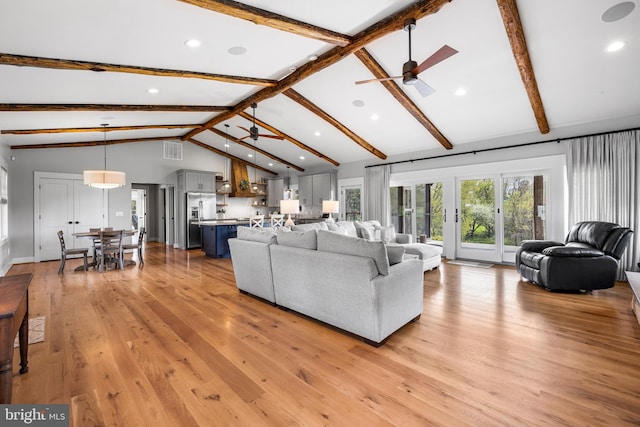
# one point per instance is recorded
(216, 233)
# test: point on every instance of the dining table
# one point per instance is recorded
(95, 234)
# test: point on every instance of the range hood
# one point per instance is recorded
(240, 175)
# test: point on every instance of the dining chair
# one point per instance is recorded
(137, 246)
(110, 249)
(256, 221)
(277, 220)
(65, 252)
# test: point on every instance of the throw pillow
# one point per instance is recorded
(387, 234)
(337, 243)
(395, 254)
(256, 235)
(365, 230)
(298, 239)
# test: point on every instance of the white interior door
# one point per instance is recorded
(56, 213)
(65, 204)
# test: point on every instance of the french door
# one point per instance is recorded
(495, 213)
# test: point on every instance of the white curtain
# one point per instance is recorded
(603, 180)
(377, 201)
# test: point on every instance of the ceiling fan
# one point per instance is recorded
(411, 69)
(253, 130)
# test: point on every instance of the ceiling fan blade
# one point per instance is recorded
(270, 136)
(244, 137)
(244, 129)
(440, 55)
(424, 89)
(378, 80)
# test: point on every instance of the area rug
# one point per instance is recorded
(36, 331)
(470, 264)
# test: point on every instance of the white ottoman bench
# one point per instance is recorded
(430, 255)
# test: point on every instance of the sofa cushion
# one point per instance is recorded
(337, 243)
(257, 235)
(395, 254)
(312, 226)
(343, 227)
(298, 239)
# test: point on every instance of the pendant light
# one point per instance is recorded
(226, 185)
(288, 190)
(104, 179)
(255, 167)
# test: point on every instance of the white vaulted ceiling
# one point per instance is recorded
(582, 87)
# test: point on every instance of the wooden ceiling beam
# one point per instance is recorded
(64, 64)
(515, 33)
(96, 129)
(112, 107)
(295, 96)
(258, 150)
(289, 138)
(394, 22)
(270, 19)
(230, 156)
(91, 143)
(396, 91)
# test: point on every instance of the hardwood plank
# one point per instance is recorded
(176, 344)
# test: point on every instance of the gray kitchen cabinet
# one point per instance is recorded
(275, 191)
(305, 189)
(196, 180)
(313, 189)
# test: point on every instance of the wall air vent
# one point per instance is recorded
(173, 150)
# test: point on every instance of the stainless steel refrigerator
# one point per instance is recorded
(200, 207)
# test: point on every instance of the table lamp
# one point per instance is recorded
(330, 207)
(289, 207)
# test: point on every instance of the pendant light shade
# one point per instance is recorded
(104, 179)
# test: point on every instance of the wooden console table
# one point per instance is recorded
(14, 317)
(634, 282)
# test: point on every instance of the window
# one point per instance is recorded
(4, 206)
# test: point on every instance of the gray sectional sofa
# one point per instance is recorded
(430, 255)
(354, 284)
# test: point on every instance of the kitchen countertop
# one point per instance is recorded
(230, 221)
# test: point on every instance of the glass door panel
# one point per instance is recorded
(476, 219)
(352, 204)
(523, 200)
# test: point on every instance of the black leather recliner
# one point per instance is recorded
(587, 260)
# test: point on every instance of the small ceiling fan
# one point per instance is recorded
(253, 130)
(411, 69)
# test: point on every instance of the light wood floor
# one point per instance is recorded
(175, 344)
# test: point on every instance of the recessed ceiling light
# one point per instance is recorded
(615, 46)
(618, 11)
(227, 145)
(250, 155)
(153, 90)
(317, 133)
(237, 50)
(358, 103)
(374, 117)
(270, 164)
(461, 91)
(192, 43)
(301, 157)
